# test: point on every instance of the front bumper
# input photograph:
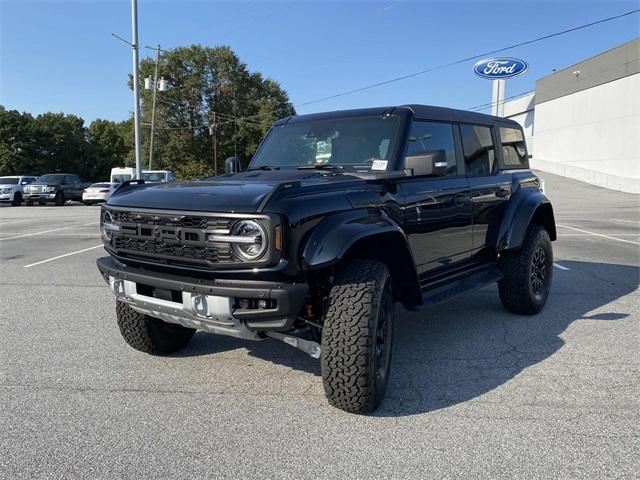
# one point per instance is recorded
(39, 196)
(175, 299)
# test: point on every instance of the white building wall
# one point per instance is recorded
(592, 135)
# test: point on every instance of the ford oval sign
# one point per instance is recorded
(497, 68)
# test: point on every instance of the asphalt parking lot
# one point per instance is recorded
(475, 392)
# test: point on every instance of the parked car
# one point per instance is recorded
(54, 187)
(122, 174)
(98, 192)
(11, 188)
(415, 204)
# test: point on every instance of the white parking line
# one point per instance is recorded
(560, 267)
(62, 256)
(17, 221)
(626, 221)
(47, 231)
(599, 235)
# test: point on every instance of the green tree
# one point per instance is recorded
(107, 147)
(61, 143)
(18, 143)
(207, 83)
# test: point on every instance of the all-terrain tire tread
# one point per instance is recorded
(347, 376)
(148, 334)
(514, 288)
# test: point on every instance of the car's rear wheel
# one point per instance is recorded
(151, 335)
(527, 273)
(357, 337)
(59, 199)
(17, 199)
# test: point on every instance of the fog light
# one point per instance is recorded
(200, 305)
(262, 304)
(118, 288)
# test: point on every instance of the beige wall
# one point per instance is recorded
(592, 135)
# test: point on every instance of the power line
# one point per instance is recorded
(484, 106)
(463, 60)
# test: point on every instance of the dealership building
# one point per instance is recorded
(583, 121)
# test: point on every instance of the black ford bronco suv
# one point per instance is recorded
(338, 217)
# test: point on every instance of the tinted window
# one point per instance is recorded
(479, 152)
(428, 138)
(119, 178)
(9, 180)
(71, 179)
(52, 178)
(153, 176)
(514, 150)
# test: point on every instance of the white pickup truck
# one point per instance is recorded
(11, 188)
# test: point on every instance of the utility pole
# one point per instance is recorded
(136, 89)
(153, 107)
(213, 131)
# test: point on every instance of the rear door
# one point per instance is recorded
(436, 210)
(490, 191)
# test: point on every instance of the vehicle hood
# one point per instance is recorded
(7, 185)
(243, 192)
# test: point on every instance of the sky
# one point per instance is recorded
(60, 56)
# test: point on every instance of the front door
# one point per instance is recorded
(436, 210)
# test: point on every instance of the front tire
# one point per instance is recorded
(528, 272)
(151, 335)
(357, 336)
(17, 199)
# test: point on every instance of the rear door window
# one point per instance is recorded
(479, 150)
(514, 150)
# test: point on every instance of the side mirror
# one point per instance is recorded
(432, 163)
(231, 165)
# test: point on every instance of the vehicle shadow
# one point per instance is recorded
(460, 350)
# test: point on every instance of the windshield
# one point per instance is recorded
(363, 143)
(121, 177)
(9, 180)
(153, 176)
(51, 178)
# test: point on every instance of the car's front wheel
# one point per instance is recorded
(357, 337)
(17, 199)
(59, 199)
(151, 335)
(527, 273)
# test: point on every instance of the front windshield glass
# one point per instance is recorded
(153, 176)
(119, 178)
(51, 178)
(353, 143)
(9, 180)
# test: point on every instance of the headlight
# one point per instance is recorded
(5, 190)
(107, 226)
(51, 189)
(249, 239)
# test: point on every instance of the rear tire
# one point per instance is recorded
(528, 273)
(151, 335)
(17, 199)
(357, 337)
(59, 199)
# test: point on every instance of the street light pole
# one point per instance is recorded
(136, 88)
(153, 107)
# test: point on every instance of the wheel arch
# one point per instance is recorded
(526, 207)
(370, 235)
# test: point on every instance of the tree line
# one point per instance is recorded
(211, 96)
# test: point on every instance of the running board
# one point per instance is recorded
(460, 286)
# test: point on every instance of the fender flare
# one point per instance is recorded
(364, 231)
(525, 206)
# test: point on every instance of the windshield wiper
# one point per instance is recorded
(265, 167)
(322, 166)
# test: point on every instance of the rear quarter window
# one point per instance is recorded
(514, 150)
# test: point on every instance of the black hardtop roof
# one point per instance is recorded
(423, 112)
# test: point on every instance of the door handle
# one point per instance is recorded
(503, 192)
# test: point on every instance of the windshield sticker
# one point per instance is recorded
(379, 165)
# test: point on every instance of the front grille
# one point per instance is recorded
(170, 238)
